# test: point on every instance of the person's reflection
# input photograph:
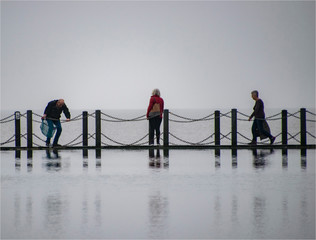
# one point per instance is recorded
(54, 160)
(217, 161)
(158, 215)
(259, 159)
(259, 210)
(55, 208)
(155, 160)
(49, 155)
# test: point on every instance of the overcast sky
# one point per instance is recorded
(110, 55)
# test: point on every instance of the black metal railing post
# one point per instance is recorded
(284, 131)
(29, 134)
(17, 118)
(166, 132)
(98, 133)
(284, 127)
(234, 132)
(85, 133)
(166, 128)
(217, 131)
(303, 130)
(303, 126)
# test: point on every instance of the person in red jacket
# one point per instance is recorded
(154, 115)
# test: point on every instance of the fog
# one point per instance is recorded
(110, 55)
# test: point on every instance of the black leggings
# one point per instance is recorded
(154, 125)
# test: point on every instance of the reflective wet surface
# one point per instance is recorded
(142, 194)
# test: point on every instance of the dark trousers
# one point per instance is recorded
(51, 124)
(154, 125)
(258, 124)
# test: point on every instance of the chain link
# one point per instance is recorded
(310, 134)
(191, 143)
(8, 141)
(190, 120)
(6, 119)
(142, 118)
(123, 144)
(116, 119)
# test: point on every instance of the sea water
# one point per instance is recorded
(133, 194)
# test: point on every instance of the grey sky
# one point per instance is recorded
(110, 55)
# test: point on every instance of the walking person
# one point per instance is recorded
(258, 123)
(52, 115)
(154, 115)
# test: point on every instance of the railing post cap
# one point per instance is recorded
(17, 115)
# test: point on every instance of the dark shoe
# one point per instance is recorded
(56, 145)
(252, 143)
(272, 140)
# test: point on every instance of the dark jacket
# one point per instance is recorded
(53, 112)
(258, 110)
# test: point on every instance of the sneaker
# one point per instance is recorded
(272, 140)
(56, 145)
(252, 143)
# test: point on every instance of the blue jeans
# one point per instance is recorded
(51, 124)
(258, 124)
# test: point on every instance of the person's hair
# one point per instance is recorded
(255, 92)
(156, 92)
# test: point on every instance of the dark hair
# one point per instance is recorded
(255, 92)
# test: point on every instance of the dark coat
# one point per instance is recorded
(258, 110)
(266, 128)
(53, 112)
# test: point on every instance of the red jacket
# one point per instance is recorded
(155, 99)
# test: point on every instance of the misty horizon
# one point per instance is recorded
(110, 55)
